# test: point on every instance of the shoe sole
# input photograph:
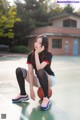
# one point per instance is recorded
(20, 100)
(48, 106)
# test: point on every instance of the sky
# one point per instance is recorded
(62, 3)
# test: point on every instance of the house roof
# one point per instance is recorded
(64, 14)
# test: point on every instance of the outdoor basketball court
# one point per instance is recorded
(65, 98)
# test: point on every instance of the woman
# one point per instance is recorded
(39, 60)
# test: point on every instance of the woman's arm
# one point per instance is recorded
(37, 61)
(31, 75)
(31, 78)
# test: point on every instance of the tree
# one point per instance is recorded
(7, 20)
(68, 8)
(33, 13)
(53, 9)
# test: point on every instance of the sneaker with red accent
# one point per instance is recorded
(20, 98)
(45, 104)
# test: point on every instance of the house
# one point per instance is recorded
(63, 34)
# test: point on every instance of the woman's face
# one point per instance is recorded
(38, 44)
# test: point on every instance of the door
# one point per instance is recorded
(75, 47)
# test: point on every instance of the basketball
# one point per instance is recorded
(41, 94)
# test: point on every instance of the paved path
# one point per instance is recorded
(66, 93)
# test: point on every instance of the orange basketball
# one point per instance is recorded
(41, 94)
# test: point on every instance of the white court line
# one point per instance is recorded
(12, 107)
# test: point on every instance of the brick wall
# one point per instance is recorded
(66, 34)
(51, 29)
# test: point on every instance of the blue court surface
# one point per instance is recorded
(66, 92)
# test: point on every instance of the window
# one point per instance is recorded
(69, 23)
(57, 43)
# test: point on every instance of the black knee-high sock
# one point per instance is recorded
(43, 79)
(21, 80)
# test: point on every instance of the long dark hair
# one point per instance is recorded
(44, 41)
(44, 52)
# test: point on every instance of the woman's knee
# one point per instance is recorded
(22, 71)
(40, 72)
(18, 70)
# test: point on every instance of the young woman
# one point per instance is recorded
(39, 60)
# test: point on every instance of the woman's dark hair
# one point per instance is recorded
(44, 41)
(44, 53)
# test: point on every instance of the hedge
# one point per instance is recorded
(20, 49)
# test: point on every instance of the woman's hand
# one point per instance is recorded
(39, 49)
(32, 94)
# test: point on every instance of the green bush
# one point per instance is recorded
(20, 49)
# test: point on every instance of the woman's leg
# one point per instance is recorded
(50, 81)
(43, 79)
(21, 75)
(34, 81)
(45, 82)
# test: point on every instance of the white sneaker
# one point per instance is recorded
(45, 104)
(20, 98)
